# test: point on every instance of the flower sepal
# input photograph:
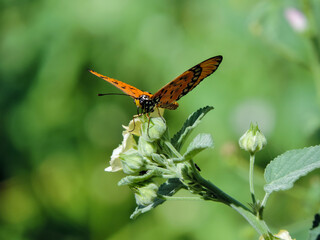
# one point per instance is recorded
(146, 194)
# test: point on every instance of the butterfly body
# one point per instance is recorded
(145, 103)
(167, 96)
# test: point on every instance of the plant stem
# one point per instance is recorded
(259, 225)
(252, 158)
(264, 201)
(212, 192)
(216, 193)
(172, 148)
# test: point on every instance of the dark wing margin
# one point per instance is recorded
(187, 81)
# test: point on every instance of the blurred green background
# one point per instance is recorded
(57, 135)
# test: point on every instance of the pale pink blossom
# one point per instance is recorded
(296, 19)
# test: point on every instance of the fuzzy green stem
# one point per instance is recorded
(252, 158)
(172, 148)
(265, 199)
(259, 225)
(217, 194)
(214, 190)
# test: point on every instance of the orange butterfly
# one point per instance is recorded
(167, 96)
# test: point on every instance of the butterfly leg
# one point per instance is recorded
(161, 115)
(148, 124)
(134, 123)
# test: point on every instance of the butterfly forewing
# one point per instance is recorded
(180, 86)
(126, 88)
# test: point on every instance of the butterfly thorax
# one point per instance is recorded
(145, 103)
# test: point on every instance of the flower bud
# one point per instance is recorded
(153, 130)
(132, 161)
(253, 140)
(146, 148)
(146, 194)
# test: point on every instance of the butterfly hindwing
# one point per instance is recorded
(124, 87)
(167, 96)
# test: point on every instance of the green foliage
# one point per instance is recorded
(199, 143)
(284, 170)
(192, 121)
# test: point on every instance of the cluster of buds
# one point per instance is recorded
(154, 167)
(134, 158)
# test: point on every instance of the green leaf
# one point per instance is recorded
(199, 143)
(314, 233)
(192, 121)
(284, 170)
(169, 188)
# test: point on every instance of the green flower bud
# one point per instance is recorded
(253, 140)
(132, 161)
(146, 194)
(146, 148)
(154, 130)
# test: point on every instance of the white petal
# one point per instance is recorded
(108, 169)
(128, 141)
(115, 162)
(284, 234)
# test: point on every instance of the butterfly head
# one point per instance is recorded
(145, 103)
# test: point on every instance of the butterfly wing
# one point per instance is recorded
(167, 96)
(124, 87)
